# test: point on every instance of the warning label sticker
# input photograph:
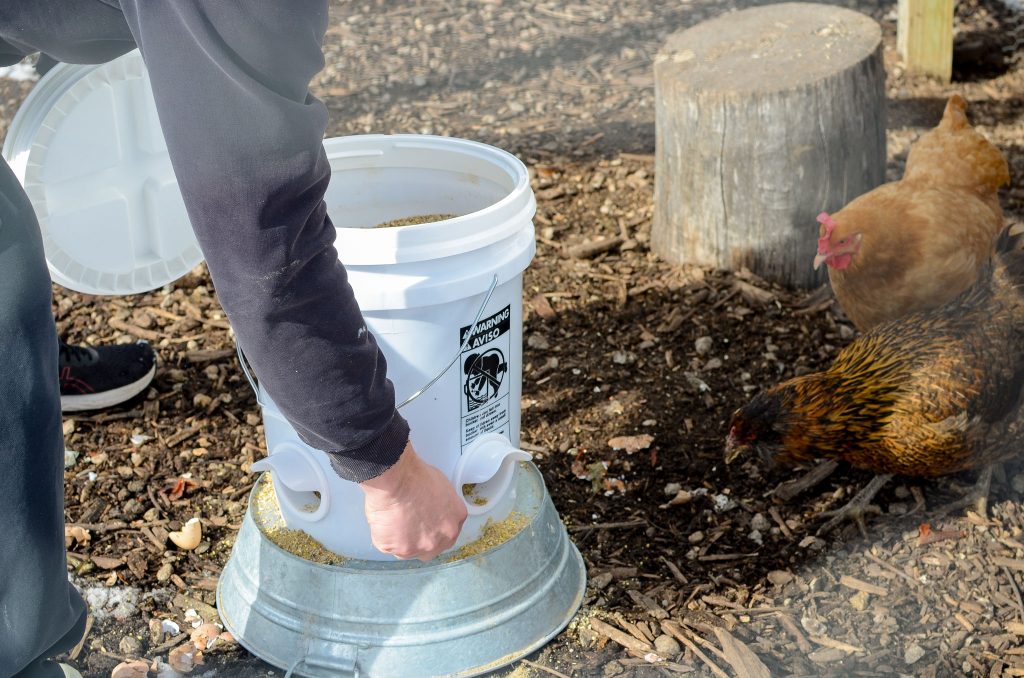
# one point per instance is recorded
(485, 384)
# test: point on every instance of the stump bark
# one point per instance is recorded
(764, 118)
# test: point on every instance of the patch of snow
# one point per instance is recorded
(119, 602)
(20, 71)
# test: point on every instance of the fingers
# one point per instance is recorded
(426, 550)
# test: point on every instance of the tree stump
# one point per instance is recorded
(764, 118)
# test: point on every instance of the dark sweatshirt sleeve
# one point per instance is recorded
(230, 79)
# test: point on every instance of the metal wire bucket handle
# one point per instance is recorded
(479, 314)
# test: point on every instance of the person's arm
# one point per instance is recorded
(230, 80)
(413, 511)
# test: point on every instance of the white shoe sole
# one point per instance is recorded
(99, 401)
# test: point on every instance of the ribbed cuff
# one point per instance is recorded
(372, 459)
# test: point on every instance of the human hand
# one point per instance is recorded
(412, 508)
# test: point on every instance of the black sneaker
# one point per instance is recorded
(94, 378)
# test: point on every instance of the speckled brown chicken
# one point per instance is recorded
(929, 394)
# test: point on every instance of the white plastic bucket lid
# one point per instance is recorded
(88, 148)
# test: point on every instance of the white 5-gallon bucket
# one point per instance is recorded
(87, 146)
(421, 287)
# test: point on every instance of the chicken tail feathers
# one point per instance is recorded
(955, 154)
(1010, 254)
(955, 115)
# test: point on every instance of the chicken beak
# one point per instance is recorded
(733, 449)
(819, 259)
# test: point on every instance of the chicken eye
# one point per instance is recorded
(842, 241)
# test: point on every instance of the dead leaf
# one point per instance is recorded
(631, 444)
(138, 564)
(106, 562)
(180, 488)
(742, 659)
(594, 472)
(926, 535)
(540, 305)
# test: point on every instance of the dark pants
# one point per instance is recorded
(40, 612)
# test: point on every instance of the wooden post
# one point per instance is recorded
(924, 37)
(764, 118)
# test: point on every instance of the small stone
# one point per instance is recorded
(859, 601)
(672, 489)
(813, 625)
(667, 646)
(176, 376)
(142, 319)
(133, 508)
(902, 492)
(156, 631)
(811, 542)
(780, 577)
(913, 653)
(898, 508)
(1017, 483)
(723, 503)
(712, 364)
(703, 345)
(755, 536)
(845, 332)
(759, 522)
(165, 572)
(623, 357)
(696, 537)
(130, 647)
(538, 341)
(253, 419)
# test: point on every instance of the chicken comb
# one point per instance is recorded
(830, 225)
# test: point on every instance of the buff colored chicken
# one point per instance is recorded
(916, 243)
(932, 393)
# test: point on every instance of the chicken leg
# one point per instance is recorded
(976, 496)
(857, 507)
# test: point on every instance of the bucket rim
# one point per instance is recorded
(432, 240)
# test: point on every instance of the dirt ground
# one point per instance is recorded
(724, 580)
